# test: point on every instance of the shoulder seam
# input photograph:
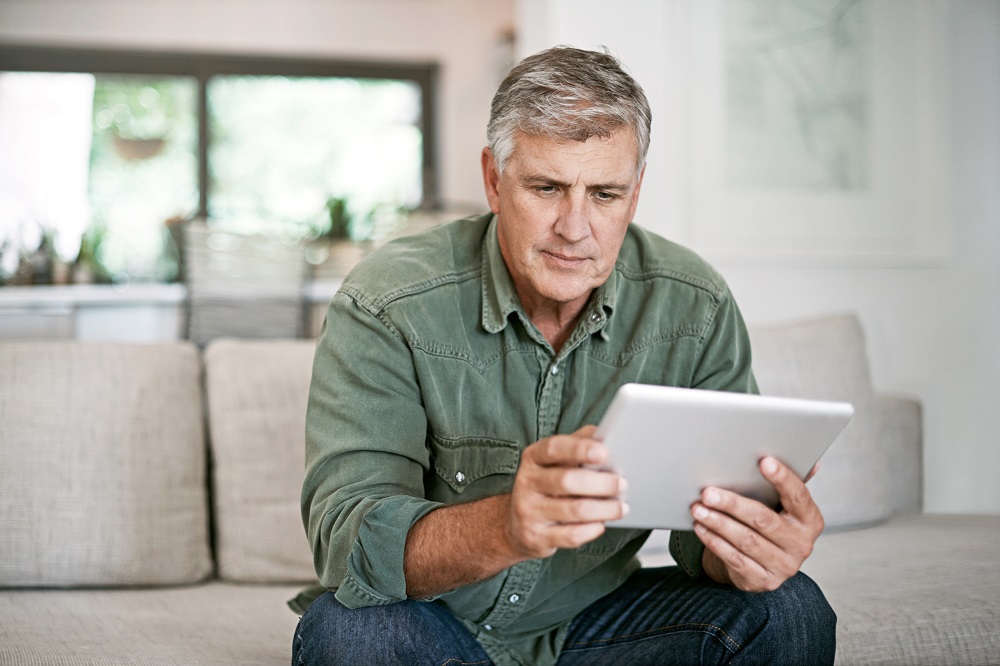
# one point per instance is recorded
(377, 305)
(716, 290)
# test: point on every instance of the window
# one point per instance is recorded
(100, 151)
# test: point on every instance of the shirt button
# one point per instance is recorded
(459, 477)
(554, 370)
(488, 627)
(596, 318)
(514, 598)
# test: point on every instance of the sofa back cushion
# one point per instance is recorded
(825, 359)
(257, 394)
(102, 465)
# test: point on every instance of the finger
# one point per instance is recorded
(573, 535)
(746, 573)
(567, 510)
(796, 500)
(792, 539)
(752, 543)
(577, 481)
(749, 512)
(812, 472)
(567, 450)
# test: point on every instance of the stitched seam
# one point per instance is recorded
(390, 297)
(358, 589)
(445, 475)
(462, 354)
(699, 627)
(627, 355)
(698, 283)
(456, 443)
(453, 660)
(681, 559)
(709, 321)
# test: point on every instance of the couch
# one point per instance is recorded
(149, 509)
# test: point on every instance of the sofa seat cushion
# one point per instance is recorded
(102, 465)
(920, 589)
(213, 624)
(257, 393)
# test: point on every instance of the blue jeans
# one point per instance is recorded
(659, 616)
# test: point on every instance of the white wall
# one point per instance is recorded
(933, 330)
(466, 38)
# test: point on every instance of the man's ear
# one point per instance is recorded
(491, 180)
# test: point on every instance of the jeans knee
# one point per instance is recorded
(804, 599)
(800, 622)
(408, 632)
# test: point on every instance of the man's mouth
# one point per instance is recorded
(564, 259)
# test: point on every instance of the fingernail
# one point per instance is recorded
(699, 528)
(622, 484)
(712, 497)
(770, 465)
(625, 508)
(700, 512)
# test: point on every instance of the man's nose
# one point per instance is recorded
(574, 220)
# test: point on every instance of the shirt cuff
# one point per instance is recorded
(375, 564)
(687, 549)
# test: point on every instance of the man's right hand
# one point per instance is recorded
(560, 499)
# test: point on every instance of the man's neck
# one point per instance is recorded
(555, 321)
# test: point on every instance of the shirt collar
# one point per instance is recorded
(500, 296)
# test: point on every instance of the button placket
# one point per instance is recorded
(511, 599)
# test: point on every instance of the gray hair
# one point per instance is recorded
(566, 94)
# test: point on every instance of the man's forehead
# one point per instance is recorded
(544, 156)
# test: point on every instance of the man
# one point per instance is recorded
(451, 496)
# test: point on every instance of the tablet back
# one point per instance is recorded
(669, 443)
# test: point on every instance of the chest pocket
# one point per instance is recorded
(470, 468)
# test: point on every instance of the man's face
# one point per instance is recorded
(562, 211)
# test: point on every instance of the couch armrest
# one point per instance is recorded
(901, 433)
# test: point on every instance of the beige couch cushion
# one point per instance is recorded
(825, 359)
(102, 465)
(213, 624)
(257, 394)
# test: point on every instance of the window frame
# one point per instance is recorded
(204, 66)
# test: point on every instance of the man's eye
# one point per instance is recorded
(606, 196)
(545, 189)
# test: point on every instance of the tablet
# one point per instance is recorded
(669, 443)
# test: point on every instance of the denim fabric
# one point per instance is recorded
(659, 616)
(430, 379)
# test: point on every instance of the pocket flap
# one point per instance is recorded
(459, 462)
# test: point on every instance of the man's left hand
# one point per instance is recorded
(750, 545)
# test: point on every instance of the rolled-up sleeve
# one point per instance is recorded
(366, 456)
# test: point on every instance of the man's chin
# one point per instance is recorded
(566, 289)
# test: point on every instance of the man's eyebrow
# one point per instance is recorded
(613, 187)
(539, 179)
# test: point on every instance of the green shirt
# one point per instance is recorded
(429, 380)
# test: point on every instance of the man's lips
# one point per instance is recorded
(560, 258)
